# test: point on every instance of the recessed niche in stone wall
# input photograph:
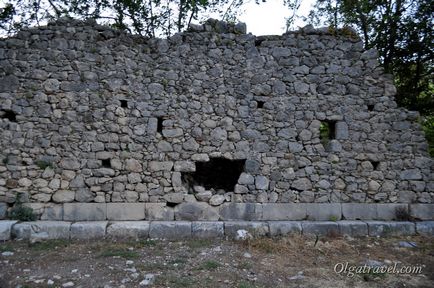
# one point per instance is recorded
(160, 124)
(327, 131)
(258, 42)
(218, 173)
(124, 103)
(8, 114)
(375, 164)
(371, 107)
(106, 163)
(260, 104)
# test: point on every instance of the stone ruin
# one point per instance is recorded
(186, 127)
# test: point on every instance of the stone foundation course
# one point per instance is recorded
(199, 211)
(178, 230)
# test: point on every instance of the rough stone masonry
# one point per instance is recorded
(194, 123)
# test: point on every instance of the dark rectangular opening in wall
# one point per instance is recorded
(124, 103)
(375, 164)
(218, 173)
(160, 124)
(258, 42)
(327, 131)
(371, 107)
(106, 163)
(260, 104)
(9, 114)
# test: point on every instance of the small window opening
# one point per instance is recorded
(260, 104)
(160, 124)
(171, 204)
(327, 131)
(375, 164)
(258, 42)
(371, 107)
(106, 163)
(218, 173)
(124, 103)
(10, 115)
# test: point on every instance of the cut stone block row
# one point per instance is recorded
(425, 228)
(6, 229)
(59, 230)
(201, 211)
(174, 230)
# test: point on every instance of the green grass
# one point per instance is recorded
(178, 261)
(209, 265)
(22, 213)
(147, 243)
(199, 243)
(371, 276)
(43, 164)
(245, 265)
(117, 252)
(6, 247)
(333, 218)
(150, 266)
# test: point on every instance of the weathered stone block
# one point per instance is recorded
(302, 184)
(381, 228)
(341, 130)
(256, 229)
(359, 211)
(125, 211)
(389, 211)
(425, 228)
(353, 228)
(159, 211)
(41, 230)
(278, 228)
(422, 211)
(411, 174)
(52, 212)
(171, 230)
(160, 166)
(196, 211)
(128, 229)
(207, 229)
(88, 230)
(284, 211)
(184, 166)
(6, 229)
(84, 211)
(324, 211)
(3, 210)
(62, 196)
(240, 211)
(323, 228)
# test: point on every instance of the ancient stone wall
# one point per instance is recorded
(214, 115)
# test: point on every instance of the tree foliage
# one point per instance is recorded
(145, 17)
(402, 32)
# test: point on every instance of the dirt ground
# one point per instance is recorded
(293, 261)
